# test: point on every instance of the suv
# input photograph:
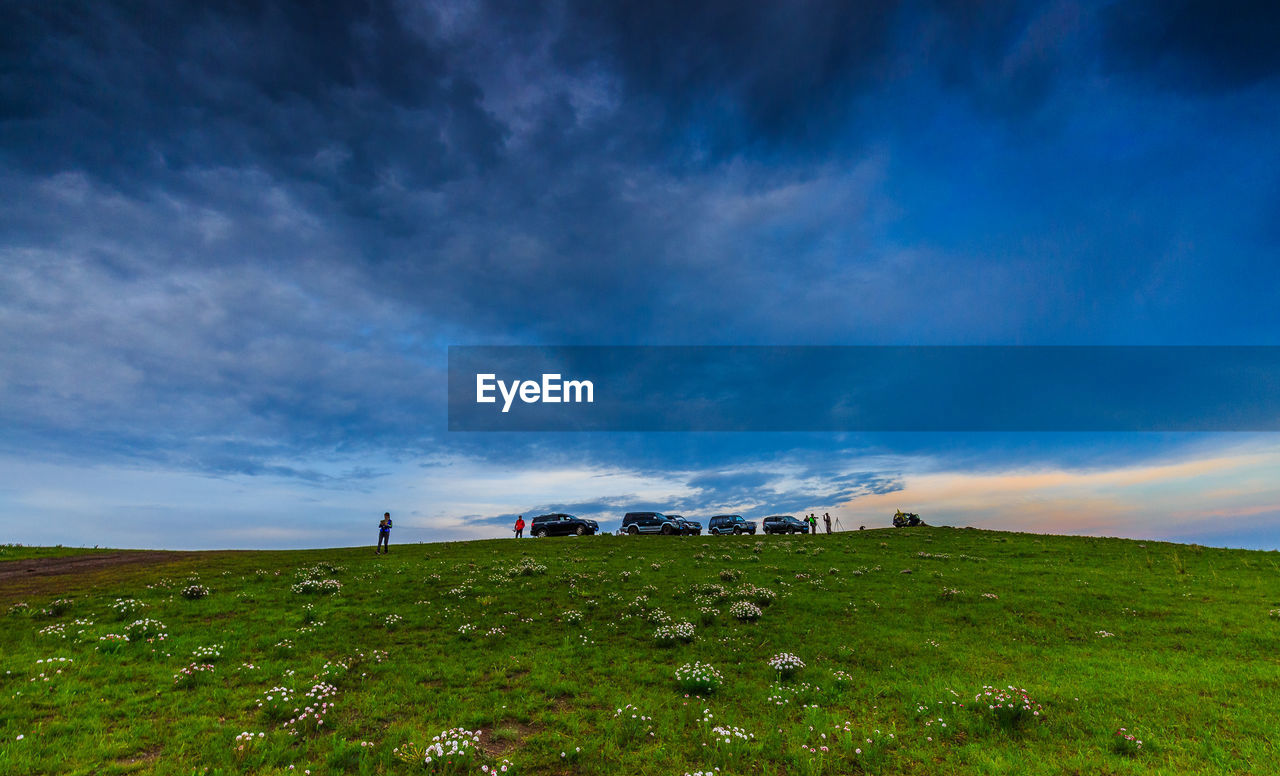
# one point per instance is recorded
(687, 527)
(730, 524)
(560, 524)
(783, 524)
(650, 522)
(903, 519)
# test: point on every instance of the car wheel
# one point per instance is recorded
(633, 530)
(582, 530)
(666, 530)
(540, 534)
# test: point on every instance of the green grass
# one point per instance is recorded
(23, 552)
(1191, 669)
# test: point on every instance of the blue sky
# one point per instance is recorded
(237, 239)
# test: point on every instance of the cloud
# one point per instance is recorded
(728, 77)
(1194, 46)
(1007, 58)
(103, 345)
(276, 87)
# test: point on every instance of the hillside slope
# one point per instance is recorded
(538, 644)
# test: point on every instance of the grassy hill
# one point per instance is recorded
(537, 644)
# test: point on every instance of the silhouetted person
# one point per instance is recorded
(520, 526)
(826, 518)
(384, 535)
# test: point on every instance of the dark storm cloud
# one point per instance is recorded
(375, 93)
(1197, 46)
(723, 79)
(1006, 56)
(238, 233)
(737, 75)
(346, 99)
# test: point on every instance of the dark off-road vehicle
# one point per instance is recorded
(906, 519)
(783, 524)
(650, 523)
(560, 524)
(687, 527)
(730, 524)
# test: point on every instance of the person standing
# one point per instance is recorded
(826, 518)
(384, 535)
(520, 527)
(813, 524)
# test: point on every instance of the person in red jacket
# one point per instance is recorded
(520, 527)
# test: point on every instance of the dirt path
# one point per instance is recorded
(12, 570)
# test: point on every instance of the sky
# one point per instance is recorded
(237, 239)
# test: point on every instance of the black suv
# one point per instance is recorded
(650, 522)
(561, 524)
(730, 524)
(783, 524)
(687, 527)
